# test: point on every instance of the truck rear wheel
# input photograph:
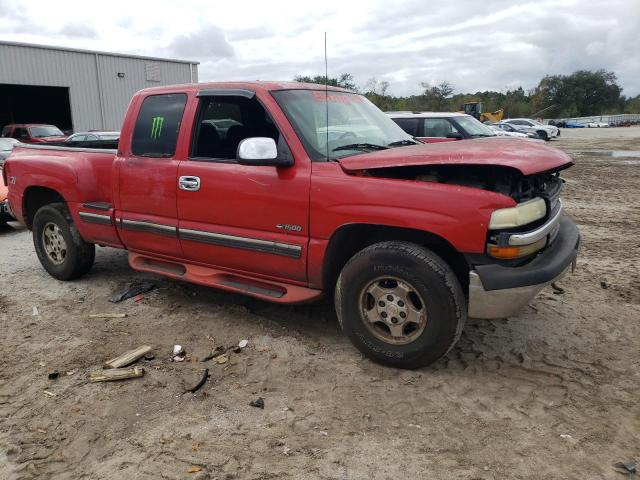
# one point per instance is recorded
(60, 248)
(400, 304)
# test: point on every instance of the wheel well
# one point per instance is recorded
(37, 197)
(350, 239)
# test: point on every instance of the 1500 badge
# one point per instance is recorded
(288, 227)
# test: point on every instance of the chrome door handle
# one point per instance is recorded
(191, 184)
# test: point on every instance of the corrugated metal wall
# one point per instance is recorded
(99, 98)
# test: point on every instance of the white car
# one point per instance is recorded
(597, 124)
(527, 125)
(503, 132)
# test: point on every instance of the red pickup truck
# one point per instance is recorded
(287, 192)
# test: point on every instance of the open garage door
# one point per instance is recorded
(35, 104)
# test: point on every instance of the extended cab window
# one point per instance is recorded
(224, 121)
(157, 126)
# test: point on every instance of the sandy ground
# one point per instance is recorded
(550, 394)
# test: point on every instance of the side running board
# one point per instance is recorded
(211, 277)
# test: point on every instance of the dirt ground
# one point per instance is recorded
(550, 394)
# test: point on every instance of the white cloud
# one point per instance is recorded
(475, 45)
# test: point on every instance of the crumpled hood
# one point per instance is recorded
(527, 156)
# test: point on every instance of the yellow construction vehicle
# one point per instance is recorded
(475, 110)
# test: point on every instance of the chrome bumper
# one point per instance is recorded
(5, 208)
(498, 291)
(501, 303)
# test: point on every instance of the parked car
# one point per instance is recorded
(545, 132)
(597, 125)
(6, 147)
(433, 127)
(33, 133)
(407, 239)
(506, 130)
(92, 136)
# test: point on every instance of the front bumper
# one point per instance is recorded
(497, 291)
(5, 210)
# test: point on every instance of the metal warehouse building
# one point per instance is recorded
(78, 90)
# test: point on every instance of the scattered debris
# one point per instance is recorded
(258, 403)
(556, 289)
(263, 349)
(42, 364)
(35, 312)
(131, 290)
(243, 343)
(53, 375)
(200, 383)
(50, 394)
(194, 469)
(41, 430)
(626, 468)
(566, 436)
(71, 372)
(286, 451)
(604, 285)
(219, 350)
(324, 434)
(149, 356)
(224, 358)
(108, 315)
(128, 358)
(178, 353)
(138, 298)
(116, 374)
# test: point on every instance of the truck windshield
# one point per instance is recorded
(45, 131)
(355, 125)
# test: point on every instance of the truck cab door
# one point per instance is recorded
(236, 217)
(146, 209)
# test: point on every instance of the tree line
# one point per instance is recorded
(582, 93)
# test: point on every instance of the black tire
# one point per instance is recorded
(543, 135)
(432, 279)
(77, 257)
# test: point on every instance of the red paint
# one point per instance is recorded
(238, 201)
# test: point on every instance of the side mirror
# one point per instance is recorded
(260, 151)
(455, 135)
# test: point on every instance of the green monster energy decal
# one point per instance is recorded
(156, 127)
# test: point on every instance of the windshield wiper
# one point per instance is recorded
(360, 146)
(400, 143)
(482, 135)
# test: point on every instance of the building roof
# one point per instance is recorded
(95, 52)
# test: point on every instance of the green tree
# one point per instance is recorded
(582, 93)
(345, 80)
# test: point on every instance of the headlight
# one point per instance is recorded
(522, 214)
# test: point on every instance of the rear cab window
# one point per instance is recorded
(156, 130)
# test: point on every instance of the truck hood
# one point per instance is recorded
(527, 156)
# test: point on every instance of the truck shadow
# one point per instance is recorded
(11, 227)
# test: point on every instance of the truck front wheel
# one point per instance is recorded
(60, 248)
(400, 304)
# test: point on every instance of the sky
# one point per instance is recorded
(475, 45)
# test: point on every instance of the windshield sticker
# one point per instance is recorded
(156, 127)
(345, 98)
